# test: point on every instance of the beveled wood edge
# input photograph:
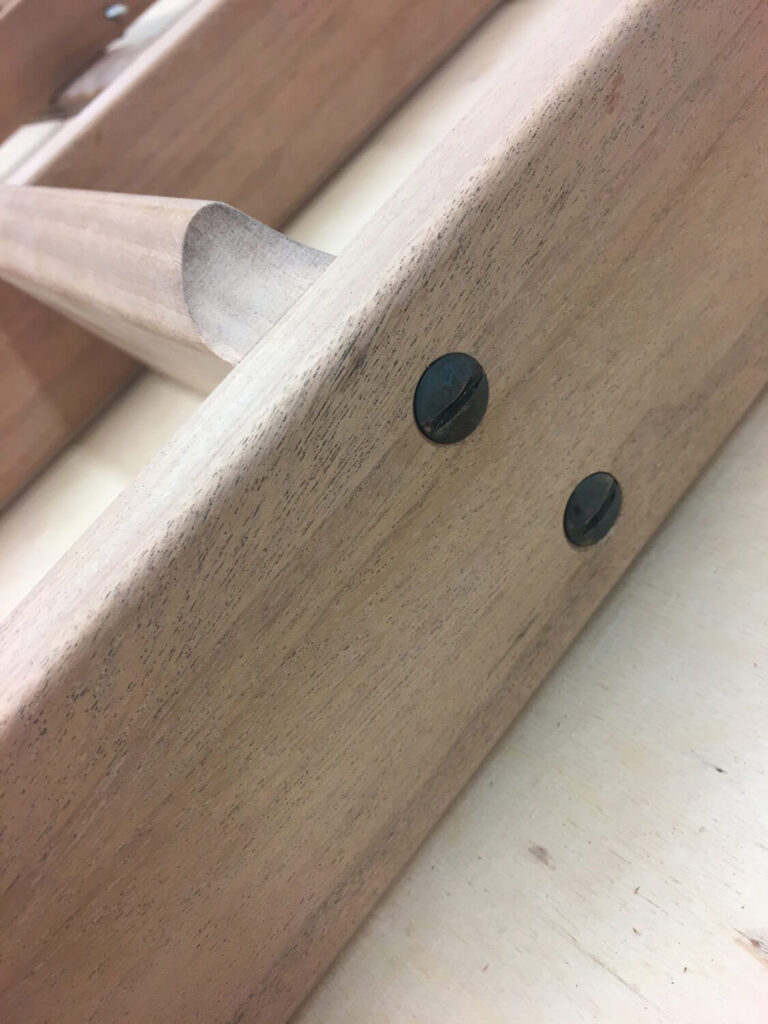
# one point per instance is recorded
(43, 414)
(295, 637)
(43, 49)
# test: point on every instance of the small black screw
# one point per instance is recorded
(592, 509)
(451, 398)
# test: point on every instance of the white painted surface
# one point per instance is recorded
(610, 861)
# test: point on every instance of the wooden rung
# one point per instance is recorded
(43, 45)
(186, 286)
(255, 104)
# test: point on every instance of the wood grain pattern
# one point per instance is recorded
(117, 58)
(186, 286)
(235, 709)
(53, 380)
(94, 80)
(296, 87)
(42, 45)
(608, 862)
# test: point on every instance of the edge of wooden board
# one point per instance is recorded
(235, 709)
(251, 107)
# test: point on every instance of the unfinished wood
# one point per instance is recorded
(296, 86)
(68, 496)
(117, 58)
(239, 704)
(52, 382)
(95, 79)
(608, 862)
(184, 285)
(42, 45)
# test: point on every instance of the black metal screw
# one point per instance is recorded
(451, 398)
(592, 509)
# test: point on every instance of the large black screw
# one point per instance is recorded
(451, 398)
(592, 509)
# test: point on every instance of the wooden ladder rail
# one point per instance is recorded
(255, 104)
(237, 706)
(186, 286)
(42, 46)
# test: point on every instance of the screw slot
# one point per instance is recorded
(451, 398)
(592, 509)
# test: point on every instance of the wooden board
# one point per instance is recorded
(186, 286)
(114, 61)
(425, 675)
(608, 863)
(72, 491)
(94, 80)
(297, 86)
(42, 45)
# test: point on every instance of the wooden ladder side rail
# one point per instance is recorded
(86, 87)
(81, 90)
(255, 104)
(235, 709)
(186, 286)
(43, 45)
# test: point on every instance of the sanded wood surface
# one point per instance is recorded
(117, 58)
(608, 862)
(94, 80)
(287, 647)
(186, 286)
(43, 44)
(252, 105)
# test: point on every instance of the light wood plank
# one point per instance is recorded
(44, 44)
(117, 58)
(95, 79)
(53, 381)
(53, 513)
(297, 87)
(186, 286)
(608, 863)
(289, 645)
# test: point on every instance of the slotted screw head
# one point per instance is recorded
(592, 509)
(451, 398)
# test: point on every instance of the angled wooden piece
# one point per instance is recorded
(255, 104)
(42, 45)
(83, 89)
(184, 285)
(236, 707)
